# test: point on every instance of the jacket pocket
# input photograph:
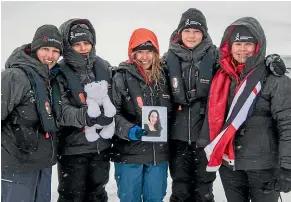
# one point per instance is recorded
(255, 138)
(15, 178)
(249, 143)
(128, 104)
(75, 137)
(26, 137)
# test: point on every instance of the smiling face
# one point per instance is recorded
(153, 118)
(48, 55)
(240, 51)
(145, 58)
(191, 37)
(82, 47)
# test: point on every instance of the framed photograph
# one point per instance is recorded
(154, 121)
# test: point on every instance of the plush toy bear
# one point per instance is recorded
(97, 95)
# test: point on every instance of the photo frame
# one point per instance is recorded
(155, 122)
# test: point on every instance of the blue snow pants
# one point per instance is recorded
(26, 187)
(141, 182)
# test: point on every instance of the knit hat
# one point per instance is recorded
(80, 32)
(145, 46)
(242, 33)
(193, 18)
(47, 36)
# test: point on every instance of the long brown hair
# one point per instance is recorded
(155, 73)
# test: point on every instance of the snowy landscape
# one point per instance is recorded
(112, 189)
(115, 21)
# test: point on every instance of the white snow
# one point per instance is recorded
(112, 195)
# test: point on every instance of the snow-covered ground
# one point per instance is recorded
(111, 188)
(112, 195)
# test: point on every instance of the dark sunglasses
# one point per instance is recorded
(80, 25)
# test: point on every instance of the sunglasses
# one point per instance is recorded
(83, 26)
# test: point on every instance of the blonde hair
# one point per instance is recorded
(155, 73)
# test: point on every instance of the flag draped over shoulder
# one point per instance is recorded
(221, 131)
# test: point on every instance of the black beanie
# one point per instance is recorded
(242, 33)
(47, 36)
(193, 18)
(145, 46)
(80, 32)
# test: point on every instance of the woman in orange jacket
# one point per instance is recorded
(140, 167)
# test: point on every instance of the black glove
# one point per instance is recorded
(276, 64)
(282, 183)
(101, 120)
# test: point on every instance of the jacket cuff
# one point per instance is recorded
(125, 132)
(285, 162)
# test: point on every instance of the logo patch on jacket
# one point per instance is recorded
(165, 96)
(175, 82)
(48, 108)
(31, 95)
(204, 81)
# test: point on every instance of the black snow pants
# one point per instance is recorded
(243, 186)
(82, 177)
(191, 182)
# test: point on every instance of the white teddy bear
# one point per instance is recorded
(97, 95)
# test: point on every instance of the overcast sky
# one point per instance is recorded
(115, 21)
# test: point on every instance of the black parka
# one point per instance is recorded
(125, 150)
(24, 147)
(264, 140)
(73, 117)
(187, 121)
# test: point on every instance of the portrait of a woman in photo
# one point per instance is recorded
(154, 125)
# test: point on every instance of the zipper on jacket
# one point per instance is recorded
(88, 67)
(50, 92)
(154, 149)
(87, 75)
(152, 101)
(98, 151)
(240, 78)
(189, 110)
(52, 142)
